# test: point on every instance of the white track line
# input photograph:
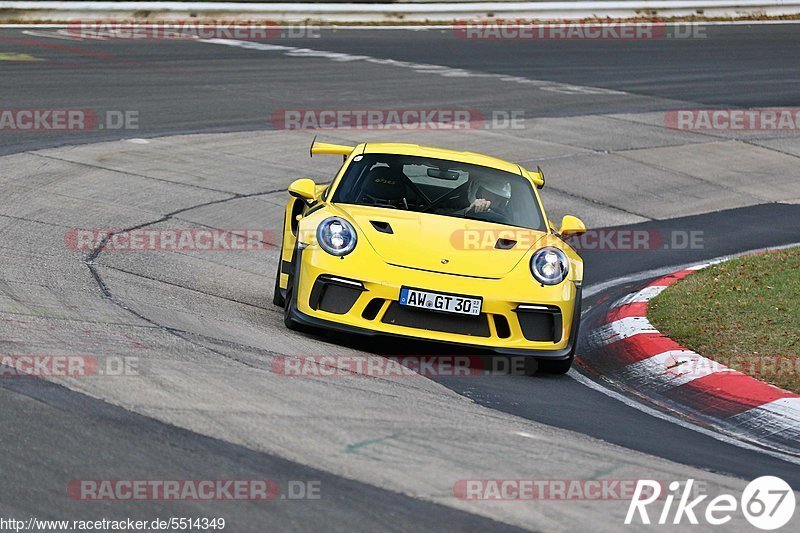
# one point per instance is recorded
(621, 329)
(51, 35)
(583, 380)
(422, 68)
(644, 295)
(630, 402)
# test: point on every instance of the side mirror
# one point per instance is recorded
(571, 225)
(304, 188)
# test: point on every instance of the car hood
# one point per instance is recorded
(440, 243)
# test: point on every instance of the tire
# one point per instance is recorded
(277, 297)
(289, 305)
(550, 366)
(531, 366)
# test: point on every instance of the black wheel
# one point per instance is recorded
(531, 366)
(289, 306)
(551, 366)
(277, 297)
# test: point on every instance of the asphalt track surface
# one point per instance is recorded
(181, 87)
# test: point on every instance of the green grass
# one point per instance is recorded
(744, 313)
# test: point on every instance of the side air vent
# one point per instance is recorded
(383, 227)
(539, 322)
(334, 294)
(502, 327)
(505, 244)
(373, 308)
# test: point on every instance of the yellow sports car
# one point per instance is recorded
(431, 244)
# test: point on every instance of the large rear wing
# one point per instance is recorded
(327, 148)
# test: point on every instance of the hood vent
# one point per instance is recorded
(505, 244)
(383, 227)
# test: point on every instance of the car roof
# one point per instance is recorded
(441, 153)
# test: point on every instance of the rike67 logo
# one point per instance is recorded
(767, 503)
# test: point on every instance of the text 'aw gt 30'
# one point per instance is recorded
(431, 244)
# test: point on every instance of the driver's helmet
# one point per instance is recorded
(496, 191)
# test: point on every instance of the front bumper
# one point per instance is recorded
(508, 303)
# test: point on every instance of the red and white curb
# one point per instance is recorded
(653, 365)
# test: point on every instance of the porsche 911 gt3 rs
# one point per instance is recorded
(433, 244)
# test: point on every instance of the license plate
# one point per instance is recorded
(445, 303)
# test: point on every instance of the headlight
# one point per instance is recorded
(549, 265)
(336, 236)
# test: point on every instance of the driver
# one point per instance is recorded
(489, 195)
(481, 196)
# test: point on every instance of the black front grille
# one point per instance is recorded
(332, 296)
(399, 315)
(541, 324)
(337, 299)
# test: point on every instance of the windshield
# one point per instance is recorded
(441, 187)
